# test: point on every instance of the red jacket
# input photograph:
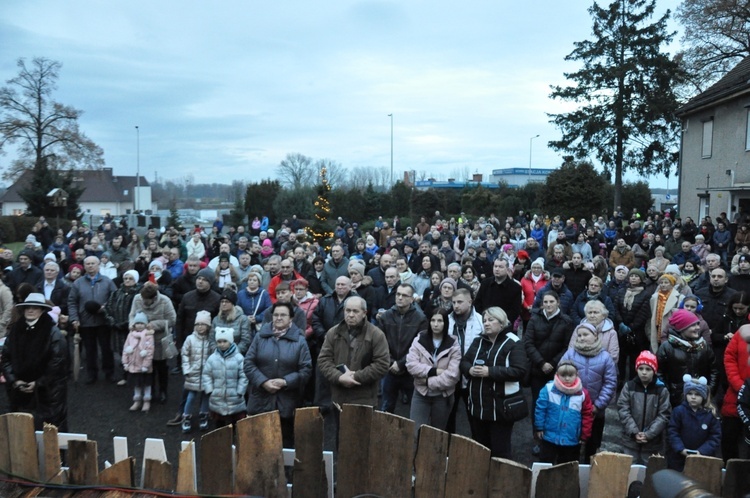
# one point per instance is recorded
(276, 281)
(737, 368)
(529, 289)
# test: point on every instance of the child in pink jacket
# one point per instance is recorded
(137, 358)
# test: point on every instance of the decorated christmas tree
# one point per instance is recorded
(320, 230)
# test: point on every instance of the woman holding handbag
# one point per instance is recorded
(495, 364)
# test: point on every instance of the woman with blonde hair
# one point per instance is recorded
(659, 261)
(663, 302)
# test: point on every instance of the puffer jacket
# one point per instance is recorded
(138, 351)
(565, 419)
(160, 315)
(598, 375)
(644, 409)
(287, 358)
(225, 381)
(507, 364)
(400, 330)
(737, 365)
(678, 357)
(423, 366)
(195, 352)
(546, 340)
(238, 323)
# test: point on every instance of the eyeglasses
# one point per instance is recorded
(275, 315)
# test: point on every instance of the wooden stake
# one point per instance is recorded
(609, 474)
(83, 462)
(468, 468)
(559, 481)
(504, 472)
(121, 474)
(260, 460)
(309, 472)
(431, 463)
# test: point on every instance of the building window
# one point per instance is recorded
(747, 131)
(18, 212)
(708, 138)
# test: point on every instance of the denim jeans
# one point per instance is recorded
(191, 396)
(430, 410)
(392, 384)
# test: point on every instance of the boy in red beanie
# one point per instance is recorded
(644, 410)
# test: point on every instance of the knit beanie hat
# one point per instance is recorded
(449, 281)
(224, 256)
(637, 271)
(522, 254)
(588, 327)
(132, 273)
(621, 267)
(357, 265)
(206, 273)
(225, 333)
(672, 269)
(203, 317)
(156, 263)
(51, 257)
(670, 278)
(647, 358)
(538, 262)
(140, 317)
(699, 385)
(681, 319)
(229, 295)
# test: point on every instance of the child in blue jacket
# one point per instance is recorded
(564, 416)
(694, 428)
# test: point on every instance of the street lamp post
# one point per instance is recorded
(391, 116)
(137, 168)
(531, 140)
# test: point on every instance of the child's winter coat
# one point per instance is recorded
(566, 419)
(224, 379)
(138, 351)
(644, 409)
(693, 430)
(195, 352)
(598, 375)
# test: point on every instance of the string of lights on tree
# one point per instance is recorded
(321, 230)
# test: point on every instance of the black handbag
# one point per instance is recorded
(515, 408)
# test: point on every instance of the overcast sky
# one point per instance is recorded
(224, 90)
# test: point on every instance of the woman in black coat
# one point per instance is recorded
(634, 310)
(546, 339)
(35, 365)
(494, 364)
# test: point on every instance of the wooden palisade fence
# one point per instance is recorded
(377, 457)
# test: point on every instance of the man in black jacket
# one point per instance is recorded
(401, 324)
(500, 290)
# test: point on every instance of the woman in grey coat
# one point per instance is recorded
(278, 366)
(231, 317)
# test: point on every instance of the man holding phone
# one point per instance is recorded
(354, 356)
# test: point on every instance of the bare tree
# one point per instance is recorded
(717, 37)
(297, 171)
(360, 176)
(45, 132)
(384, 177)
(336, 173)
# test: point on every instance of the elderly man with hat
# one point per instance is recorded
(26, 271)
(34, 362)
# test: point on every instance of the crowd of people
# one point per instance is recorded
(644, 314)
